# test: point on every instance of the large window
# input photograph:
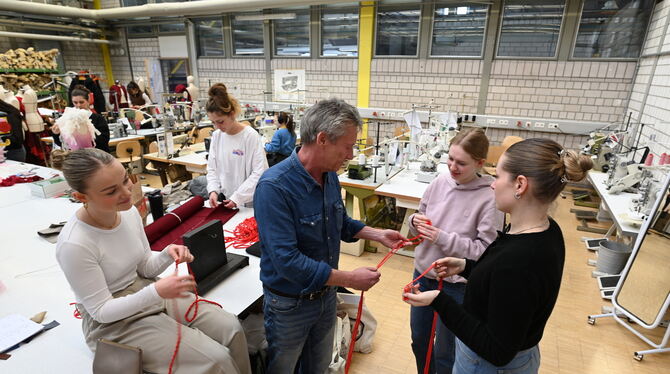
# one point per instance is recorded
(612, 29)
(458, 30)
(291, 34)
(339, 32)
(397, 31)
(210, 37)
(530, 28)
(247, 35)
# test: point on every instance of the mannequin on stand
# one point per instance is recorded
(118, 96)
(192, 94)
(8, 97)
(32, 116)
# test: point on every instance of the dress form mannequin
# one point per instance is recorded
(193, 95)
(118, 96)
(8, 97)
(32, 116)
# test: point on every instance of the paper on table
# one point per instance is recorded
(15, 329)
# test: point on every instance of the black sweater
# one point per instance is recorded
(510, 294)
(100, 124)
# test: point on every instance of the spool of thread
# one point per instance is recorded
(361, 159)
(649, 160)
(375, 160)
(156, 205)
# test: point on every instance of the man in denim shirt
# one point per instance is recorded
(301, 220)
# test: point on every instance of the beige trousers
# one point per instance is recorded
(213, 343)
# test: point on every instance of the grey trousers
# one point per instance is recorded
(213, 343)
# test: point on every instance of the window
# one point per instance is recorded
(339, 33)
(172, 27)
(397, 31)
(612, 29)
(137, 31)
(210, 37)
(247, 37)
(134, 2)
(458, 30)
(291, 35)
(530, 28)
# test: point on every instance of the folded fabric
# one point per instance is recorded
(14, 179)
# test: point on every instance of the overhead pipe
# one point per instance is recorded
(191, 8)
(48, 26)
(26, 35)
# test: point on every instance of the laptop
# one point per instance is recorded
(211, 264)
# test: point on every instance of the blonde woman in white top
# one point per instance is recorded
(105, 256)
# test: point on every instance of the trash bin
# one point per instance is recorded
(612, 257)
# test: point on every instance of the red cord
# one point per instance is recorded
(244, 235)
(194, 305)
(354, 333)
(76, 313)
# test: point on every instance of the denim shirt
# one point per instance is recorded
(300, 225)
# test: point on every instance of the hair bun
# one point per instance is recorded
(218, 89)
(576, 165)
(80, 87)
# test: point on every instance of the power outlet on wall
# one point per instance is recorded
(539, 124)
(552, 126)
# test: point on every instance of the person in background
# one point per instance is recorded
(512, 288)
(301, 221)
(457, 217)
(283, 140)
(105, 256)
(138, 98)
(236, 159)
(80, 100)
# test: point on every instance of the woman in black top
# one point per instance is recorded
(513, 286)
(80, 99)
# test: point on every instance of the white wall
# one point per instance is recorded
(650, 97)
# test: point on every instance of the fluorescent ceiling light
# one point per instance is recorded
(263, 17)
(461, 10)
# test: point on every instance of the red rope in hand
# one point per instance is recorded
(354, 333)
(244, 235)
(194, 306)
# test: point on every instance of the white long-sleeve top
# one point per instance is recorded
(98, 263)
(235, 164)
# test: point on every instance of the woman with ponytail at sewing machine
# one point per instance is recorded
(236, 159)
(106, 259)
(283, 140)
(513, 287)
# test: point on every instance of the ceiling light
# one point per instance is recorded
(462, 10)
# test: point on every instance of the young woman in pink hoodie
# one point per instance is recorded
(457, 217)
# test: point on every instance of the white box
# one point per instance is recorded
(49, 187)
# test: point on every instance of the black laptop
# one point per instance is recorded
(211, 264)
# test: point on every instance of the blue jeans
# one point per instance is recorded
(299, 332)
(421, 320)
(468, 362)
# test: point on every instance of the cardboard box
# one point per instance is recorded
(49, 187)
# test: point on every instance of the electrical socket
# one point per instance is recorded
(552, 125)
(539, 124)
(528, 124)
(490, 121)
(503, 122)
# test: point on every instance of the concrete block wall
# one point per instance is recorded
(650, 97)
(246, 73)
(574, 90)
(325, 78)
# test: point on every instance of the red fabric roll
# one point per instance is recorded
(169, 221)
(192, 214)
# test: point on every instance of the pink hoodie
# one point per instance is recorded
(467, 216)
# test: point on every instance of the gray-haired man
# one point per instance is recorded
(301, 220)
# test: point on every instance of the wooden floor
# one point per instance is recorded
(570, 345)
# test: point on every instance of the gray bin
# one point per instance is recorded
(612, 257)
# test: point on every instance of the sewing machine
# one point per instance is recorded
(626, 175)
(267, 132)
